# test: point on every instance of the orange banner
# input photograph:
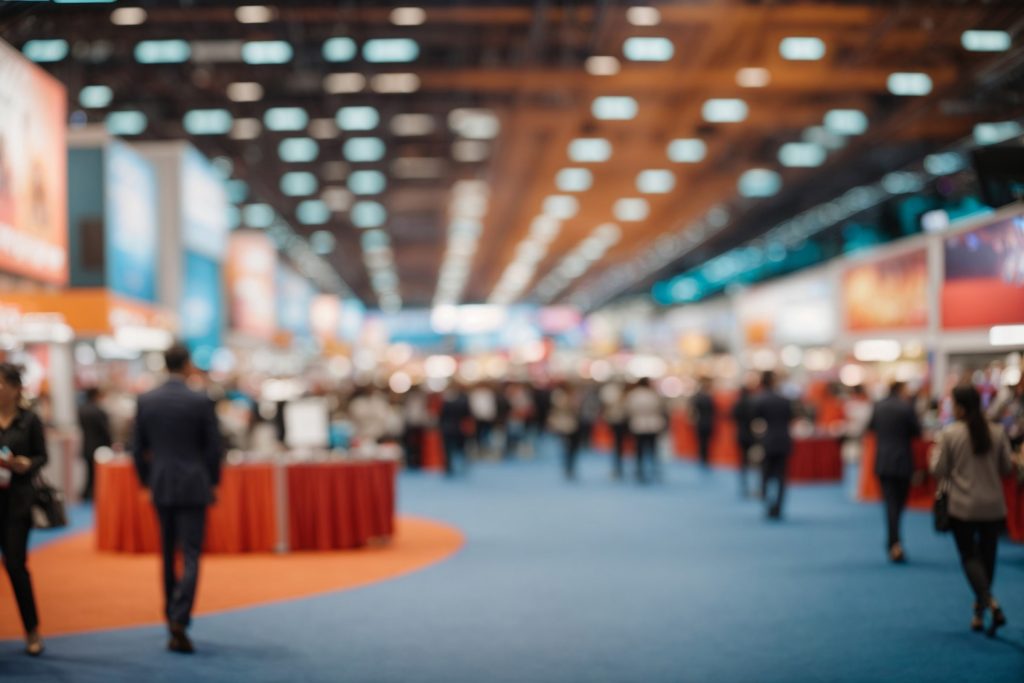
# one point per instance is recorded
(888, 294)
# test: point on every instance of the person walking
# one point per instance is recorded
(703, 411)
(895, 425)
(613, 409)
(452, 416)
(178, 451)
(564, 420)
(775, 413)
(645, 412)
(22, 455)
(743, 415)
(95, 425)
(971, 456)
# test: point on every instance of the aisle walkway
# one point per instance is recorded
(597, 581)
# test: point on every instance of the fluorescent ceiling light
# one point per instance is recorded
(286, 118)
(412, 124)
(909, 83)
(162, 52)
(561, 206)
(826, 138)
(298, 150)
(258, 215)
(357, 118)
(996, 132)
(128, 16)
(574, 180)
(470, 151)
(686, 151)
(590, 150)
(343, 84)
(753, 77)
(45, 51)
(267, 52)
(245, 92)
(374, 240)
(545, 228)
(408, 16)
(1006, 335)
(944, 163)
(298, 183)
(802, 48)
(613, 108)
(476, 124)
(418, 167)
(643, 16)
(367, 182)
(391, 50)
(647, 49)
(323, 129)
(238, 191)
(759, 182)
(254, 14)
(322, 242)
(724, 110)
(631, 209)
(363, 149)
(846, 122)
(246, 129)
(802, 155)
(129, 122)
(207, 121)
(312, 212)
(367, 214)
(95, 96)
(341, 49)
(602, 65)
(986, 41)
(395, 83)
(655, 181)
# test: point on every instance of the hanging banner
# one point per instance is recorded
(984, 284)
(250, 271)
(131, 223)
(890, 294)
(33, 171)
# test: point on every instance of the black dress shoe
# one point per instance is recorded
(179, 642)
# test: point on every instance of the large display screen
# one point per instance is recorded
(132, 223)
(251, 269)
(33, 171)
(887, 294)
(800, 311)
(205, 207)
(984, 282)
(202, 311)
(294, 301)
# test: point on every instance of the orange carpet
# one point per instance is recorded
(80, 589)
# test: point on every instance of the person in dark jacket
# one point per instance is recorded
(704, 420)
(895, 425)
(454, 412)
(743, 416)
(178, 454)
(95, 425)
(776, 413)
(23, 454)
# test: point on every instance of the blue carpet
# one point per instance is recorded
(601, 581)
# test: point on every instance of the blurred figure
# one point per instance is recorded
(1007, 410)
(895, 425)
(416, 419)
(520, 412)
(703, 411)
(613, 409)
(22, 454)
(95, 425)
(776, 414)
(743, 415)
(590, 411)
(564, 420)
(178, 459)
(483, 407)
(369, 412)
(972, 455)
(645, 412)
(857, 411)
(454, 411)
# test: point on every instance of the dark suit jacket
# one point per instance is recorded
(743, 414)
(177, 445)
(95, 428)
(895, 425)
(704, 407)
(24, 437)
(777, 413)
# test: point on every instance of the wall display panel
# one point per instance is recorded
(202, 309)
(984, 276)
(205, 205)
(350, 324)
(799, 310)
(888, 294)
(33, 171)
(131, 223)
(294, 301)
(325, 316)
(250, 272)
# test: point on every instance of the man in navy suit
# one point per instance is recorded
(178, 458)
(776, 413)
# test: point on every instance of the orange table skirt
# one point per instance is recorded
(725, 450)
(816, 459)
(244, 518)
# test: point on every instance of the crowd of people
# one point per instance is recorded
(179, 435)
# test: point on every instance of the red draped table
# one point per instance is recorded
(260, 507)
(816, 459)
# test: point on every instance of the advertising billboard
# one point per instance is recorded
(325, 317)
(294, 301)
(889, 294)
(350, 324)
(205, 220)
(202, 309)
(800, 311)
(131, 223)
(33, 171)
(984, 276)
(250, 271)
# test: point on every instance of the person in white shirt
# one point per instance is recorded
(483, 406)
(564, 420)
(645, 412)
(613, 410)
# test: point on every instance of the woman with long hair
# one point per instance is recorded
(22, 454)
(972, 456)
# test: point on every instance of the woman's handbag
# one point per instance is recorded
(940, 509)
(47, 505)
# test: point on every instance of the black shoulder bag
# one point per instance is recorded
(47, 505)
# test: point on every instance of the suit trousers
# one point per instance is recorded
(14, 546)
(744, 465)
(571, 448)
(894, 492)
(704, 446)
(184, 528)
(773, 469)
(646, 452)
(620, 431)
(976, 542)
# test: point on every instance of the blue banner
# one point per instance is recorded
(131, 224)
(202, 307)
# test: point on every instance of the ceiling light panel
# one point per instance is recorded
(631, 209)
(726, 110)
(391, 50)
(686, 151)
(561, 206)
(753, 77)
(312, 212)
(367, 214)
(408, 16)
(802, 48)
(337, 50)
(258, 215)
(986, 41)
(802, 155)
(655, 181)
(245, 92)
(590, 150)
(95, 96)
(323, 129)
(128, 122)
(602, 65)
(357, 118)
(759, 183)
(411, 125)
(476, 124)
(648, 49)
(207, 121)
(298, 184)
(367, 182)
(643, 16)
(574, 180)
(128, 16)
(363, 149)
(298, 150)
(613, 108)
(846, 122)
(162, 52)
(286, 119)
(343, 84)
(246, 129)
(254, 14)
(909, 83)
(46, 51)
(470, 151)
(267, 52)
(395, 83)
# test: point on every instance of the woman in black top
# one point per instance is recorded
(21, 431)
